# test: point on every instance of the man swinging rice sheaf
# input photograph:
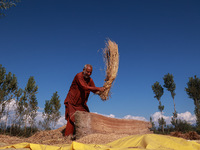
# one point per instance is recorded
(77, 97)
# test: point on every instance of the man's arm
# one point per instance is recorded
(99, 88)
(81, 82)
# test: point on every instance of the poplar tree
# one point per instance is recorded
(17, 114)
(51, 112)
(55, 104)
(193, 91)
(21, 109)
(158, 91)
(2, 92)
(31, 103)
(8, 89)
(13, 94)
(11, 89)
(46, 124)
(171, 86)
(153, 128)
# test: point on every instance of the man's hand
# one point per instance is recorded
(101, 89)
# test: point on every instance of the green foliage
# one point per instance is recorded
(47, 116)
(161, 107)
(2, 91)
(183, 126)
(10, 86)
(31, 87)
(169, 84)
(21, 108)
(2, 74)
(158, 90)
(8, 91)
(18, 131)
(153, 128)
(51, 112)
(162, 123)
(26, 106)
(31, 101)
(26, 103)
(193, 91)
(6, 4)
(55, 102)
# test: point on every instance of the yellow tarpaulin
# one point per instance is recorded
(135, 142)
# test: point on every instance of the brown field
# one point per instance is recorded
(55, 137)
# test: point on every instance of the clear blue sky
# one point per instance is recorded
(52, 40)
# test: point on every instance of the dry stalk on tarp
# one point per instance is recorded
(111, 59)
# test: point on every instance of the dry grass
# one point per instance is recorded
(111, 59)
(189, 135)
(55, 137)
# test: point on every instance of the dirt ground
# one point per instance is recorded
(55, 137)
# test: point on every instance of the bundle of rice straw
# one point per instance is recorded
(111, 59)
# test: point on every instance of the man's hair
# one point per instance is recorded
(87, 65)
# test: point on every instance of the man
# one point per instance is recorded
(78, 95)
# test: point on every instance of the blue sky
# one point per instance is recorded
(52, 40)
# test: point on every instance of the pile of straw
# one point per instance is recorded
(111, 59)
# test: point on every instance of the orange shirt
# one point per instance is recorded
(78, 93)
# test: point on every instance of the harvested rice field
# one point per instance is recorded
(55, 137)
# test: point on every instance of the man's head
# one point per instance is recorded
(87, 71)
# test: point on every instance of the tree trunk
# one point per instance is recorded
(11, 125)
(197, 112)
(162, 128)
(174, 106)
(7, 114)
(25, 126)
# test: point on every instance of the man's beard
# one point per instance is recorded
(85, 76)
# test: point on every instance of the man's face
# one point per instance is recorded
(87, 72)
